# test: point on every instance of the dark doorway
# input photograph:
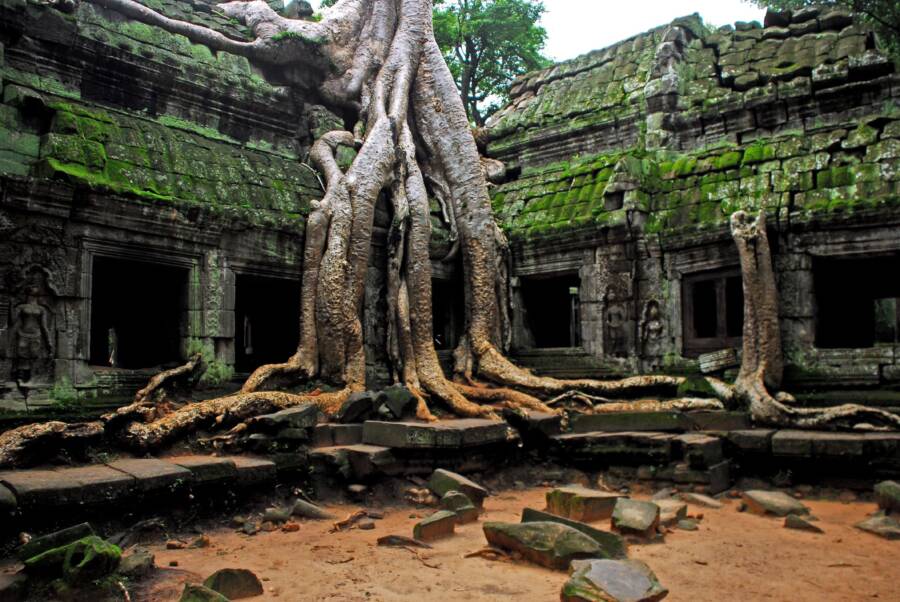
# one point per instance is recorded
(857, 301)
(552, 310)
(713, 304)
(137, 310)
(448, 312)
(267, 321)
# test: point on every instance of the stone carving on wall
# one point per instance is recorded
(652, 330)
(616, 333)
(32, 328)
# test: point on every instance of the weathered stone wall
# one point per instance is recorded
(119, 140)
(630, 160)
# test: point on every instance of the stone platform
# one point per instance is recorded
(692, 450)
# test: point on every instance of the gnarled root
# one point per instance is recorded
(32, 442)
(188, 373)
(767, 410)
(222, 411)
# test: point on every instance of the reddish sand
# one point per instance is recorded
(734, 556)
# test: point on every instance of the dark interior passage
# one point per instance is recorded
(552, 311)
(448, 312)
(137, 310)
(713, 311)
(267, 321)
(857, 301)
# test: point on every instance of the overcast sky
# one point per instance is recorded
(578, 26)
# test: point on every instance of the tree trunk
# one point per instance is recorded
(378, 60)
(762, 364)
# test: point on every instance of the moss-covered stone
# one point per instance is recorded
(86, 559)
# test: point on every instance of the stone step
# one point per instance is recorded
(328, 435)
(450, 434)
(126, 479)
(662, 421)
(697, 450)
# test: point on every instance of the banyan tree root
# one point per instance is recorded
(762, 364)
(604, 405)
(24, 445)
(159, 386)
(376, 63)
(221, 412)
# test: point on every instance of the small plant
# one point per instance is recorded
(63, 394)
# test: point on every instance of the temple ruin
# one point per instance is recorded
(154, 197)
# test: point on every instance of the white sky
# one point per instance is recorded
(578, 26)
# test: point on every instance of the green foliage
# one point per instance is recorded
(486, 44)
(217, 372)
(63, 394)
(882, 15)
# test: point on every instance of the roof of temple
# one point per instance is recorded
(678, 127)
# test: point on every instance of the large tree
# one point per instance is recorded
(487, 44)
(378, 64)
(882, 15)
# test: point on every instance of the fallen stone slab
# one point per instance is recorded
(138, 563)
(440, 524)
(698, 499)
(580, 503)
(80, 561)
(300, 417)
(152, 474)
(198, 593)
(548, 544)
(449, 434)
(309, 510)
(612, 581)
(635, 517)
(207, 470)
(443, 481)
(887, 494)
(793, 521)
(359, 407)
(672, 421)
(671, 511)
(397, 399)
(882, 526)
(774, 503)
(688, 524)
(41, 544)
(612, 545)
(459, 503)
(234, 584)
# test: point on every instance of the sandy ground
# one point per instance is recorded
(734, 556)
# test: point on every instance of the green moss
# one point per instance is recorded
(728, 160)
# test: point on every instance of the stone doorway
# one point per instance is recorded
(552, 312)
(267, 326)
(448, 312)
(857, 301)
(138, 311)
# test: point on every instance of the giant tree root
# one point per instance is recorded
(159, 385)
(221, 412)
(762, 363)
(21, 446)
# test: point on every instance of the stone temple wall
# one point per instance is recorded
(627, 163)
(151, 183)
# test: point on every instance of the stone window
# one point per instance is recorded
(267, 320)
(857, 301)
(552, 312)
(448, 312)
(713, 304)
(138, 311)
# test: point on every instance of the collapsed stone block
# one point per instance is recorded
(580, 503)
(440, 524)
